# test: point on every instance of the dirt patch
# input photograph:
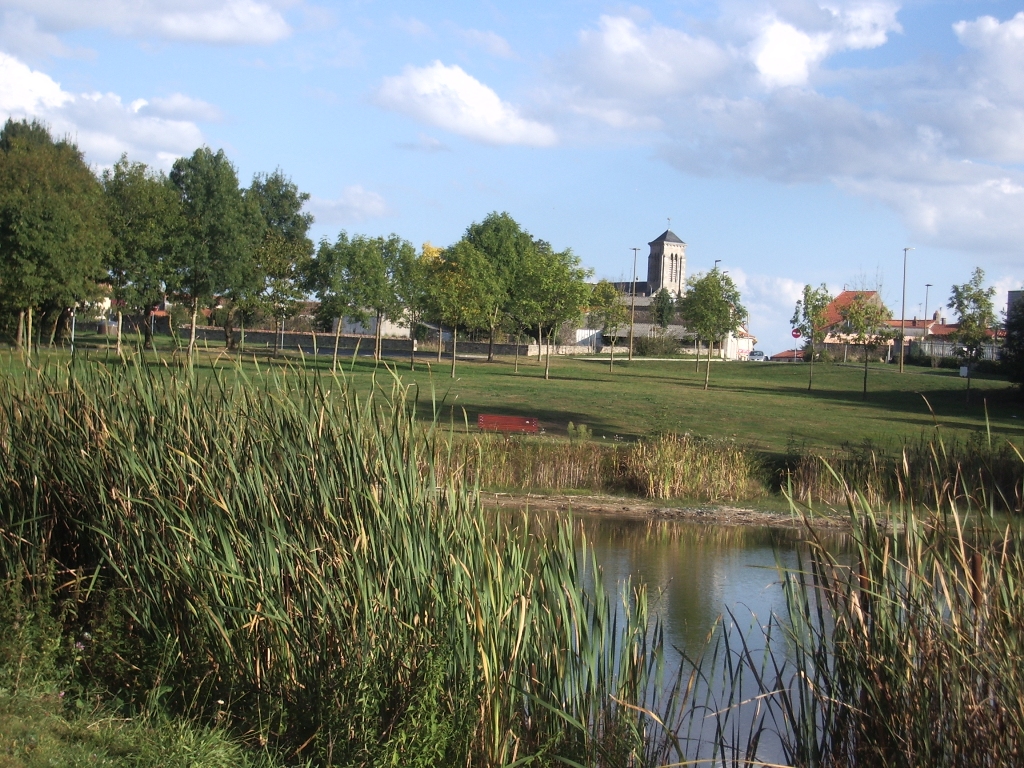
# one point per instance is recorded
(615, 506)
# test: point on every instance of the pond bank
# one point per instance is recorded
(603, 505)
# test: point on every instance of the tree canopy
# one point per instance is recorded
(809, 318)
(711, 309)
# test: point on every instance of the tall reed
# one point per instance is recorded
(282, 554)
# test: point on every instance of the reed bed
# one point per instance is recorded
(665, 467)
(284, 560)
(931, 473)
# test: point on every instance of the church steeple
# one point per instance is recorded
(666, 265)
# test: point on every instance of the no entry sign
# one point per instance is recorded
(796, 333)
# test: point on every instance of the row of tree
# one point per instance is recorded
(198, 238)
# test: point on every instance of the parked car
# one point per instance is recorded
(757, 356)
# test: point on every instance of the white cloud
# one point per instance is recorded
(620, 58)
(24, 91)
(786, 55)
(769, 301)
(491, 42)
(99, 123)
(20, 35)
(355, 204)
(942, 144)
(206, 21)
(449, 98)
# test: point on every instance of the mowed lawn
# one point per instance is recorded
(765, 405)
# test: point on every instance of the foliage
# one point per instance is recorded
(1013, 347)
(145, 220)
(865, 322)
(663, 309)
(53, 228)
(711, 308)
(222, 228)
(810, 319)
(306, 576)
(282, 256)
(655, 346)
(972, 303)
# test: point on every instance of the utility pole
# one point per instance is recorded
(903, 310)
(632, 305)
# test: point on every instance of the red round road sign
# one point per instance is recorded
(796, 333)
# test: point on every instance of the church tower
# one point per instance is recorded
(666, 266)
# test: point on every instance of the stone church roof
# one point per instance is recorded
(668, 236)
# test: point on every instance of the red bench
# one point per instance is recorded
(489, 422)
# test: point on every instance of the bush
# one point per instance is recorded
(655, 346)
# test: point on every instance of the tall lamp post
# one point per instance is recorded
(903, 310)
(926, 287)
(632, 306)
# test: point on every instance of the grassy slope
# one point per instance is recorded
(763, 404)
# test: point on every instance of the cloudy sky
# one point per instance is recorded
(795, 140)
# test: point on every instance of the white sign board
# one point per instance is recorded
(963, 371)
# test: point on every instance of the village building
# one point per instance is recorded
(666, 268)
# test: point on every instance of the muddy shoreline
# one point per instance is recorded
(648, 509)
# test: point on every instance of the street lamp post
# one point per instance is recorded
(632, 306)
(903, 310)
(926, 287)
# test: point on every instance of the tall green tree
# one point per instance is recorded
(283, 255)
(392, 254)
(411, 278)
(866, 323)
(711, 309)
(144, 215)
(53, 226)
(562, 292)
(463, 290)
(608, 309)
(221, 232)
(973, 305)
(809, 319)
(663, 309)
(1013, 346)
(511, 252)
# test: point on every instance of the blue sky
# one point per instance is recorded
(796, 140)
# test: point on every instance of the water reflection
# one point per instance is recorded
(695, 571)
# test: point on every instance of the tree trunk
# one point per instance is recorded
(28, 336)
(864, 395)
(540, 342)
(490, 346)
(696, 350)
(440, 343)
(455, 339)
(968, 382)
(611, 357)
(518, 339)
(147, 329)
(277, 335)
(337, 338)
(707, 370)
(810, 375)
(241, 335)
(192, 332)
(229, 332)
(377, 344)
(120, 317)
(18, 339)
(547, 358)
(412, 346)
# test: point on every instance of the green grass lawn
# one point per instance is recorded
(765, 405)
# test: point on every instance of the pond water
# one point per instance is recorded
(696, 575)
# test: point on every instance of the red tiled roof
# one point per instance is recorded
(834, 311)
(789, 354)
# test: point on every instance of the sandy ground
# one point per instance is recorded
(617, 506)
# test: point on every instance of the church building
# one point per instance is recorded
(666, 267)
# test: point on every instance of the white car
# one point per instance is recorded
(757, 356)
